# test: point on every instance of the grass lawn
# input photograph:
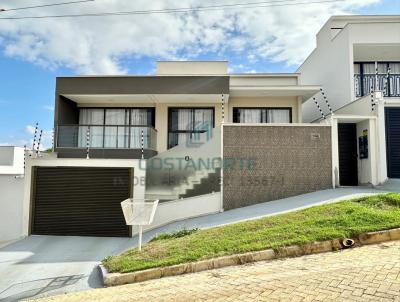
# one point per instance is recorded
(339, 220)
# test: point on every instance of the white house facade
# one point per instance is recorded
(357, 63)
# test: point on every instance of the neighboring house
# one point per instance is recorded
(11, 192)
(104, 125)
(357, 62)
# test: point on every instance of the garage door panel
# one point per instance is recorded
(393, 141)
(80, 201)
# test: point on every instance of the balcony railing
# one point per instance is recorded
(389, 85)
(106, 137)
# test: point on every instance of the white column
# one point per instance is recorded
(335, 153)
(373, 151)
(381, 141)
(299, 109)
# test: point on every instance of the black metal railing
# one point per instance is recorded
(106, 136)
(363, 84)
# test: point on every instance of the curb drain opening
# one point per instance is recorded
(347, 242)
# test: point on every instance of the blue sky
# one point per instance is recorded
(27, 82)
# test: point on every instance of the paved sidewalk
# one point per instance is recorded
(369, 273)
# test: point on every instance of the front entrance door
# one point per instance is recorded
(393, 141)
(348, 163)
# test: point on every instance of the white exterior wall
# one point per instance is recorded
(11, 197)
(364, 165)
(328, 67)
(11, 160)
(176, 210)
(138, 186)
(11, 192)
(331, 63)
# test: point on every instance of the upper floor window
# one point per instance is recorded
(186, 124)
(262, 115)
(372, 76)
(115, 127)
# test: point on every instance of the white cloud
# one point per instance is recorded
(97, 45)
(48, 107)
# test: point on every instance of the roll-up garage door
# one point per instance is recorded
(80, 201)
(393, 141)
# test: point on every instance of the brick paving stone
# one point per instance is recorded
(368, 273)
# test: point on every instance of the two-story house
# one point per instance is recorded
(357, 63)
(166, 136)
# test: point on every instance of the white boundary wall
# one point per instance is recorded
(181, 209)
(11, 200)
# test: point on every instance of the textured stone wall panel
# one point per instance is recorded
(264, 163)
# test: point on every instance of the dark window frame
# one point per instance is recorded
(129, 125)
(152, 111)
(170, 109)
(236, 117)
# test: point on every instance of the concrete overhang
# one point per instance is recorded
(305, 92)
(376, 52)
(148, 99)
(353, 118)
(142, 85)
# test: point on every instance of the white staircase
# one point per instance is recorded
(176, 191)
(183, 180)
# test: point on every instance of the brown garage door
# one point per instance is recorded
(80, 201)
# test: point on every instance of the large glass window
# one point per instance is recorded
(186, 123)
(115, 127)
(262, 115)
(95, 119)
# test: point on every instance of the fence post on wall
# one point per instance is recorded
(319, 108)
(142, 143)
(222, 153)
(223, 109)
(52, 139)
(372, 99)
(38, 144)
(34, 139)
(386, 86)
(24, 158)
(87, 142)
(326, 101)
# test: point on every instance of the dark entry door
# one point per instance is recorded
(393, 141)
(348, 166)
(80, 201)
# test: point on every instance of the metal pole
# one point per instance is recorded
(319, 108)
(52, 140)
(34, 138)
(223, 109)
(142, 143)
(387, 83)
(140, 237)
(24, 158)
(372, 99)
(326, 101)
(87, 142)
(39, 141)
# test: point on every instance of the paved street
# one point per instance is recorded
(369, 273)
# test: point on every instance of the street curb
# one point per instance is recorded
(113, 279)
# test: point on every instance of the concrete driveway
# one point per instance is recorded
(47, 265)
(40, 266)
